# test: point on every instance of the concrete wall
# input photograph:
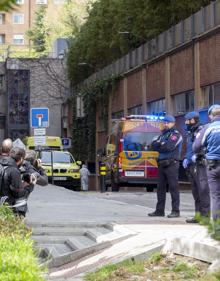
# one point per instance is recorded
(48, 87)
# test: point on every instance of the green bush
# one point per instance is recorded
(18, 261)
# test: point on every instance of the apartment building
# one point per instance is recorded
(14, 24)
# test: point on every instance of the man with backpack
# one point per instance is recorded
(11, 185)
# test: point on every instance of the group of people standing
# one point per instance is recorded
(20, 170)
(201, 161)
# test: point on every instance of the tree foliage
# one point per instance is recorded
(99, 42)
(6, 5)
(63, 22)
(40, 32)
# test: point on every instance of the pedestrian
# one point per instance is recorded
(32, 165)
(7, 145)
(12, 187)
(169, 145)
(194, 165)
(209, 138)
(84, 175)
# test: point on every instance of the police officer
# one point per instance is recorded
(209, 137)
(196, 169)
(169, 145)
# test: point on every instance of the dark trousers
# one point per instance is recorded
(200, 189)
(168, 175)
(213, 174)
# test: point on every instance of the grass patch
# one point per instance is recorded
(116, 272)
(157, 267)
(102, 274)
(155, 257)
(18, 260)
(188, 270)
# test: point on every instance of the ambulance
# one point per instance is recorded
(127, 155)
(51, 143)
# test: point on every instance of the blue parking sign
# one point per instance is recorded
(66, 142)
(39, 117)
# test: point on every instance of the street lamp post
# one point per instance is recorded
(132, 34)
(88, 64)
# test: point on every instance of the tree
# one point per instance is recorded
(99, 42)
(40, 32)
(6, 5)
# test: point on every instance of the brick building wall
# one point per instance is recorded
(134, 89)
(210, 60)
(181, 71)
(155, 81)
(28, 9)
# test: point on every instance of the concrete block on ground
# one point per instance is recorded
(198, 250)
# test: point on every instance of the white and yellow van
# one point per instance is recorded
(52, 143)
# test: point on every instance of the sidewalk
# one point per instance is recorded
(60, 207)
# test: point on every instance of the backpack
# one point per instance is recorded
(2, 172)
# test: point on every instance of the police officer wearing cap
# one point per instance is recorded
(169, 145)
(196, 169)
(209, 137)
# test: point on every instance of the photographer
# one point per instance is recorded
(12, 187)
(32, 166)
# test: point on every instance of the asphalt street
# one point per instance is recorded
(53, 204)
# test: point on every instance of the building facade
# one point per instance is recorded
(31, 83)
(174, 73)
(14, 24)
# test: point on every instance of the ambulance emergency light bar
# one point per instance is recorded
(145, 117)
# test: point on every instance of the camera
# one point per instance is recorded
(26, 177)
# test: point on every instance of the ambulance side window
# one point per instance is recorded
(111, 145)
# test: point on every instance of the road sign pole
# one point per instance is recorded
(52, 166)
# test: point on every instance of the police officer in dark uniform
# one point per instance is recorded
(209, 137)
(169, 145)
(196, 169)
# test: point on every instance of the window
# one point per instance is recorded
(2, 122)
(19, 2)
(41, 2)
(1, 81)
(59, 2)
(137, 110)
(211, 94)
(2, 18)
(2, 39)
(18, 18)
(156, 107)
(79, 107)
(118, 115)
(18, 39)
(183, 103)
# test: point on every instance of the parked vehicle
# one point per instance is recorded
(127, 156)
(65, 168)
(52, 143)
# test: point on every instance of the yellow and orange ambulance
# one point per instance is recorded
(127, 155)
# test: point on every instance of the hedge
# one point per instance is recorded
(18, 259)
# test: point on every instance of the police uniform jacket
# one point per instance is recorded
(168, 144)
(209, 137)
(191, 135)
